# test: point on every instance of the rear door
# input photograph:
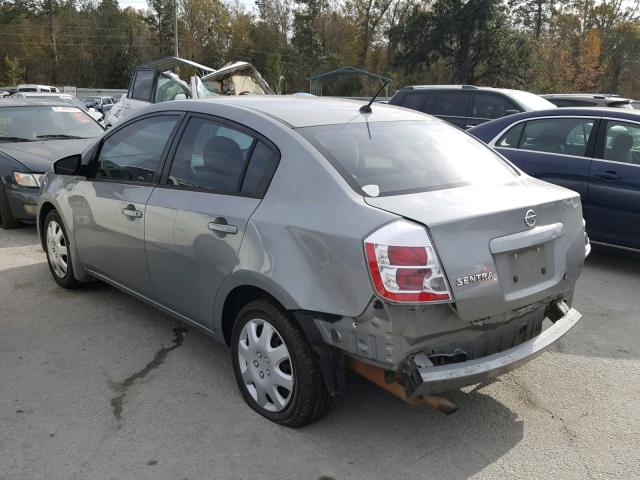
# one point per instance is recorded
(196, 217)
(556, 149)
(613, 213)
(109, 206)
(452, 107)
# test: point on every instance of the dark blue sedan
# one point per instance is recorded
(594, 151)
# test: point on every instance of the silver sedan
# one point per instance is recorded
(310, 234)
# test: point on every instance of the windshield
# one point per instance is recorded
(530, 101)
(29, 123)
(390, 158)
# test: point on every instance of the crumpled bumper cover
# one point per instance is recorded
(437, 379)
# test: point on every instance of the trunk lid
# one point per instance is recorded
(495, 263)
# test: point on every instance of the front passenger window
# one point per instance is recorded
(622, 142)
(133, 153)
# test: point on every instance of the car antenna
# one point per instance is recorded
(367, 108)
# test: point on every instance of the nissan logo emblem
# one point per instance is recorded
(530, 218)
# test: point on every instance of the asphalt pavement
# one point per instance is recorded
(97, 385)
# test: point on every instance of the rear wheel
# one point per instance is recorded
(7, 221)
(275, 368)
(58, 251)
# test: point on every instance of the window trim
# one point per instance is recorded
(598, 153)
(92, 166)
(170, 157)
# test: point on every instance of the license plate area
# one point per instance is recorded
(528, 267)
(525, 271)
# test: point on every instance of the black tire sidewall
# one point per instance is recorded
(68, 280)
(263, 310)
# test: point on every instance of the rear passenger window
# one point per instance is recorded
(486, 105)
(566, 136)
(415, 100)
(210, 155)
(451, 104)
(215, 156)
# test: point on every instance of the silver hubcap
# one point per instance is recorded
(57, 249)
(265, 365)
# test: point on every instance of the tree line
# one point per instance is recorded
(537, 45)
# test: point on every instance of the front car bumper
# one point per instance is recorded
(425, 379)
(23, 202)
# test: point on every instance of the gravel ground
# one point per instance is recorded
(97, 385)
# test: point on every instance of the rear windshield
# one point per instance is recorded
(391, 158)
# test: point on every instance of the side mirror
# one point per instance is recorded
(511, 112)
(68, 165)
(180, 96)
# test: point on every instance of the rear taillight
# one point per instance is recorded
(404, 266)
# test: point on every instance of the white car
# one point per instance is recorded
(155, 83)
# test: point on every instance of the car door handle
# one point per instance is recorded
(608, 175)
(131, 212)
(219, 226)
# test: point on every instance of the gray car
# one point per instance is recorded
(308, 235)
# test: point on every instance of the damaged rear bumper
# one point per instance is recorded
(424, 379)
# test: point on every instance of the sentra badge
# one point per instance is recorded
(475, 278)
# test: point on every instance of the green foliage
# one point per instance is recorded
(538, 45)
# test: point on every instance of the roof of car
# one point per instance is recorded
(503, 122)
(458, 87)
(31, 103)
(586, 96)
(42, 94)
(297, 111)
(578, 111)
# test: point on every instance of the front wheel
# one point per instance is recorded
(275, 368)
(58, 251)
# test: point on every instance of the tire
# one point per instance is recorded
(262, 367)
(58, 251)
(7, 221)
